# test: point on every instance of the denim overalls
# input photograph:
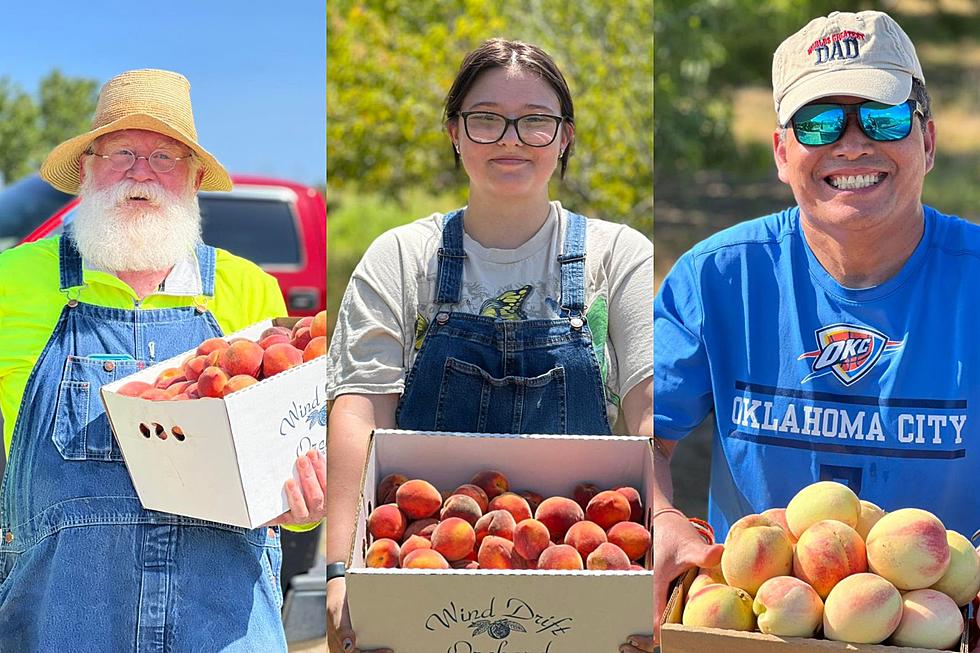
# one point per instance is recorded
(485, 375)
(82, 565)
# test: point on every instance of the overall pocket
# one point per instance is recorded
(471, 400)
(81, 427)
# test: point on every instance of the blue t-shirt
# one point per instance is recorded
(876, 388)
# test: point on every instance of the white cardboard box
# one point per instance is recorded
(423, 611)
(236, 453)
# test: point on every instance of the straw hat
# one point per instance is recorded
(154, 100)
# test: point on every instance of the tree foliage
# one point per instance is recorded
(390, 65)
(30, 128)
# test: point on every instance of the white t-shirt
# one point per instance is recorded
(390, 300)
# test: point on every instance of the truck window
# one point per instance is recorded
(261, 230)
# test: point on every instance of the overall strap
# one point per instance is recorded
(451, 258)
(572, 261)
(206, 257)
(69, 262)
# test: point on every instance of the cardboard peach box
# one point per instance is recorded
(430, 611)
(229, 458)
(677, 638)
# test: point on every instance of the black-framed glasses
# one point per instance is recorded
(823, 124)
(534, 129)
(160, 161)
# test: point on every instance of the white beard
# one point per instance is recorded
(114, 237)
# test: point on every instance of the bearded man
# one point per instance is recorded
(129, 284)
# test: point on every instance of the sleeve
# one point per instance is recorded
(244, 294)
(630, 307)
(682, 379)
(367, 348)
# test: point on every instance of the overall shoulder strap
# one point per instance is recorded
(69, 261)
(206, 258)
(451, 258)
(572, 261)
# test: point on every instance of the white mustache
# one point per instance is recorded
(125, 190)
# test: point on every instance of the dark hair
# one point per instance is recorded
(921, 95)
(501, 53)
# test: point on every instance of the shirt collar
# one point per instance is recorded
(184, 278)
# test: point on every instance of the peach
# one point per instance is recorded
(274, 339)
(239, 382)
(155, 394)
(212, 382)
(382, 554)
(303, 322)
(387, 521)
(961, 582)
(453, 538)
(778, 515)
(490, 481)
(465, 564)
(425, 559)
(177, 388)
(242, 357)
(301, 338)
(930, 619)
(133, 388)
(211, 360)
(317, 347)
(460, 505)
(719, 606)
(558, 514)
(607, 556)
(585, 536)
(827, 552)
(192, 391)
(756, 550)
(787, 607)
(533, 499)
(583, 493)
(275, 330)
(387, 486)
(421, 527)
(496, 553)
(169, 376)
(410, 544)
(279, 358)
(706, 576)
(520, 562)
(560, 556)
(863, 609)
(499, 523)
(210, 345)
(513, 503)
(819, 501)
(318, 327)
(418, 499)
(531, 538)
(870, 514)
(636, 504)
(476, 493)
(909, 548)
(632, 538)
(608, 508)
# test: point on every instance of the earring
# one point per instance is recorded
(456, 145)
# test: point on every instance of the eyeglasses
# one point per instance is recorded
(160, 161)
(534, 129)
(823, 124)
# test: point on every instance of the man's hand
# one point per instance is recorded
(677, 547)
(306, 504)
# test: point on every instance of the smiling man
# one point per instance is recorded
(129, 284)
(835, 340)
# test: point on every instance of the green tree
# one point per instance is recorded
(18, 131)
(66, 105)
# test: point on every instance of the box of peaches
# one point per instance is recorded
(214, 433)
(469, 543)
(830, 572)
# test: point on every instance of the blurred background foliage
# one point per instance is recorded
(389, 67)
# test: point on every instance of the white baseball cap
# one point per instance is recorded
(865, 54)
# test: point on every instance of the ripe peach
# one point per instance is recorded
(317, 347)
(870, 514)
(560, 556)
(607, 556)
(169, 376)
(961, 582)
(410, 544)
(583, 493)
(465, 564)
(513, 503)
(212, 382)
(192, 391)
(787, 607)
(706, 576)
(496, 553)
(558, 514)
(301, 338)
(778, 515)
(274, 339)
(585, 536)
(930, 619)
(491, 481)
(238, 382)
(608, 508)
(177, 388)
(476, 493)
(819, 501)
(387, 486)
(279, 358)
(533, 499)
(636, 504)
(531, 537)
(242, 357)
(210, 345)
(387, 521)
(756, 550)
(719, 606)
(421, 527)
(909, 548)
(631, 537)
(382, 554)
(462, 506)
(453, 538)
(318, 327)
(211, 360)
(425, 559)
(418, 499)
(303, 322)
(194, 367)
(863, 609)
(827, 552)
(499, 523)
(274, 331)
(133, 388)
(155, 394)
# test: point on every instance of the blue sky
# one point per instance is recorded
(257, 69)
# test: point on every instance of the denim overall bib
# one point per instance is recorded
(82, 565)
(481, 374)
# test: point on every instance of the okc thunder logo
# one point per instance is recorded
(847, 351)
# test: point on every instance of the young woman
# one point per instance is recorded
(513, 296)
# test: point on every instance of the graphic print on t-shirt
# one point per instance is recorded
(847, 351)
(508, 305)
